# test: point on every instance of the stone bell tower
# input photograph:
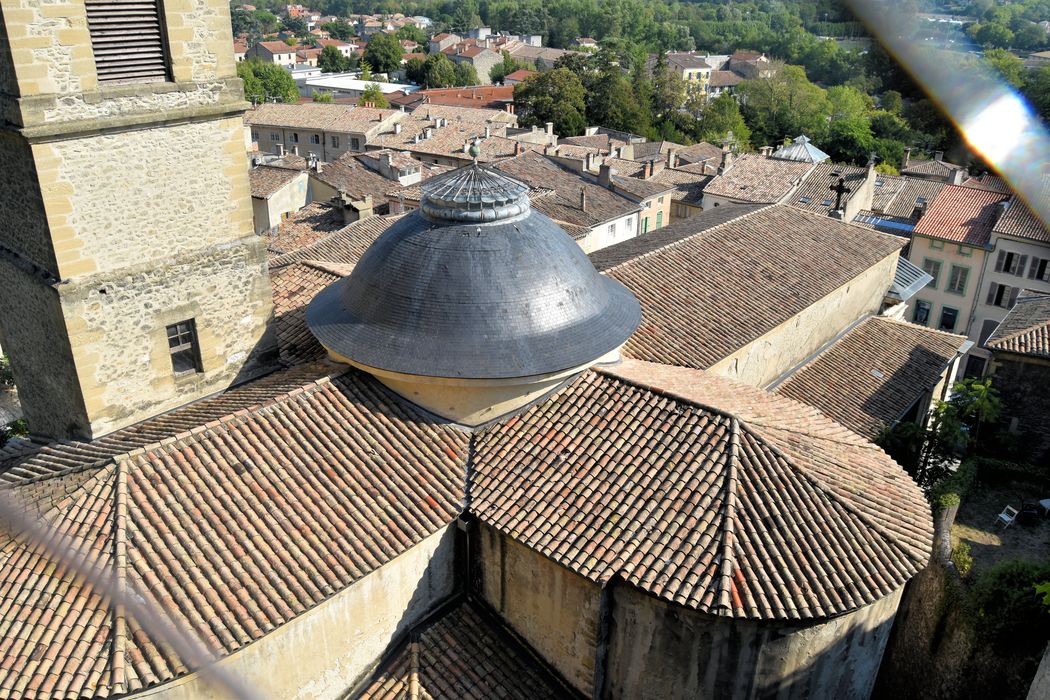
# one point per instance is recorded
(131, 281)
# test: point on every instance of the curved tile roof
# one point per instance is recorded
(705, 493)
(1026, 328)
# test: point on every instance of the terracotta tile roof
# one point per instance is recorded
(294, 285)
(1020, 221)
(688, 186)
(686, 60)
(724, 78)
(480, 97)
(639, 189)
(699, 152)
(987, 181)
(704, 495)
(276, 47)
(266, 181)
(308, 225)
(873, 374)
(815, 195)
(705, 275)
(624, 167)
(520, 74)
(348, 174)
(70, 457)
(939, 168)
(599, 141)
(466, 654)
(297, 499)
(343, 245)
(317, 116)
(758, 179)
(898, 196)
(961, 214)
(1026, 328)
(539, 172)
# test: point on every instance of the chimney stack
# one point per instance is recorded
(280, 150)
(550, 128)
(295, 150)
(647, 170)
(428, 132)
(397, 128)
(727, 161)
(583, 200)
(605, 173)
(938, 155)
(672, 159)
(517, 148)
(766, 151)
(907, 158)
(488, 131)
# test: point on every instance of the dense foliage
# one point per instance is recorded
(267, 82)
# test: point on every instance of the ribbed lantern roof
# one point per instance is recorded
(473, 194)
(476, 285)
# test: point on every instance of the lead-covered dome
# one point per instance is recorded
(474, 285)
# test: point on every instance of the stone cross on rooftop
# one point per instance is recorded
(839, 190)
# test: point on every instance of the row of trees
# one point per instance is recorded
(438, 71)
(1010, 26)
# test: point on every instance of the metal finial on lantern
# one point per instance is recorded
(475, 149)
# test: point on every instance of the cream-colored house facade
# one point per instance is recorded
(947, 303)
(327, 131)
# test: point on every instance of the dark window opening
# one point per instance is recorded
(183, 348)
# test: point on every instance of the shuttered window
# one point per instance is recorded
(127, 37)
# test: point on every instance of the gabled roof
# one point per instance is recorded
(276, 47)
(724, 78)
(987, 181)
(699, 152)
(898, 196)
(962, 215)
(686, 61)
(317, 116)
(466, 654)
(233, 528)
(1026, 328)
(704, 496)
(795, 258)
(688, 186)
(873, 374)
(266, 181)
(520, 74)
(938, 168)
(1021, 222)
(639, 189)
(350, 175)
(815, 194)
(539, 172)
(311, 223)
(758, 179)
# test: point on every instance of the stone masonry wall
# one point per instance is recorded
(116, 200)
(35, 338)
(555, 610)
(24, 230)
(117, 330)
(52, 58)
(1023, 389)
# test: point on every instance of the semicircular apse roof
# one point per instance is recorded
(475, 284)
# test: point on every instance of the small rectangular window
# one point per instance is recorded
(315, 139)
(937, 245)
(922, 312)
(182, 346)
(355, 144)
(274, 136)
(965, 251)
(335, 142)
(1039, 269)
(294, 138)
(933, 269)
(1001, 295)
(957, 280)
(949, 317)
(255, 135)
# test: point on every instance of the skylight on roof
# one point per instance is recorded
(826, 203)
(804, 199)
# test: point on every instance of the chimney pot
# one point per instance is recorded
(295, 150)
(488, 131)
(583, 200)
(938, 155)
(907, 157)
(605, 173)
(647, 170)
(397, 128)
(550, 128)
(280, 149)
(672, 159)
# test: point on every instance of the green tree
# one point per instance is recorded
(721, 117)
(332, 60)
(891, 101)
(383, 53)
(849, 140)
(612, 103)
(466, 75)
(366, 71)
(411, 32)
(501, 70)
(339, 29)
(1031, 37)
(253, 88)
(977, 404)
(1037, 90)
(416, 70)
(439, 71)
(296, 26)
(668, 89)
(266, 21)
(374, 96)
(552, 96)
(1010, 67)
(991, 34)
(322, 97)
(784, 105)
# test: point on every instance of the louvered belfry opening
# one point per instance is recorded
(127, 37)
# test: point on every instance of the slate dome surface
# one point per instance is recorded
(475, 284)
